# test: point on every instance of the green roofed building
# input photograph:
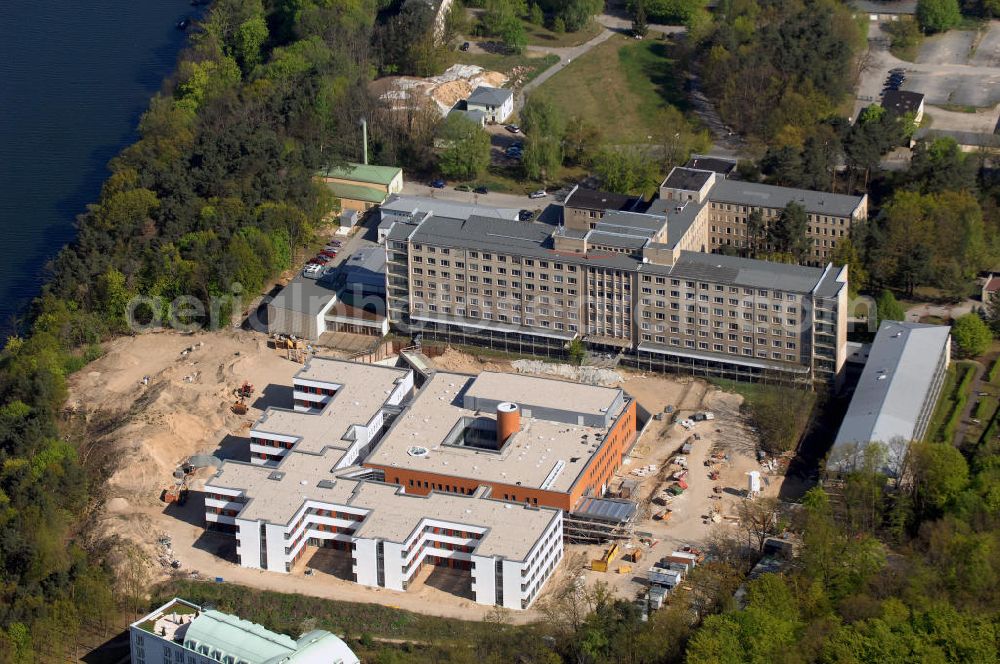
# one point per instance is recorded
(180, 632)
(362, 186)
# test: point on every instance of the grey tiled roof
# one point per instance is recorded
(636, 222)
(883, 7)
(746, 272)
(897, 379)
(765, 195)
(304, 295)
(488, 96)
(529, 239)
(617, 240)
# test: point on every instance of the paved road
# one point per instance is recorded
(622, 22)
(945, 311)
(941, 82)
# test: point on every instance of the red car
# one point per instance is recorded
(329, 253)
(313, 261)
(322, 259)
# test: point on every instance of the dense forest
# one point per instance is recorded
(216, 195)
(211, 199)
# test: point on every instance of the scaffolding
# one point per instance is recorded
(600, 520)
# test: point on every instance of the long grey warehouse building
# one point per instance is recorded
(895, 397)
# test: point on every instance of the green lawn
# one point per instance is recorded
(620, 86)
(541, 36)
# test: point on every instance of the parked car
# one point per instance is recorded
(312, 271)
(481, 190)
(329, 253)
(437, 184)
(464, 46)
(335, 243)
(525, 215)
(538, 194)
(323, 260)
(513, 128)
(463, 187)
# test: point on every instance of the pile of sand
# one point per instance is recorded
(444, 90)
(459, 362)
(450, 93)
(168, 396)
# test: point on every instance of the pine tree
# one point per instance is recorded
(639, 24)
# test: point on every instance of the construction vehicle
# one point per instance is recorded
(239, 407)
(177, 493)
(245, 390)
(605, 561)
(714, 475)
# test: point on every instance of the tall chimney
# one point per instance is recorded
(364, 140)
(508, 421)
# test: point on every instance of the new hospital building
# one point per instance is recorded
(473, 473)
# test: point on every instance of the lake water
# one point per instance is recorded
(74, 79)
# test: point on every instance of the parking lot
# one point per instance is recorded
(492, 199)
(954, 69)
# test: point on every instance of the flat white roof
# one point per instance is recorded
(363, 391)
(510, 530)
(544, 452)
(544, 392)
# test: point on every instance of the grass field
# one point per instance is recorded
(541, 36)
(620, 86)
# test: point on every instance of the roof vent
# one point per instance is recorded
(417, 451)
(326, 484)
(276, 475)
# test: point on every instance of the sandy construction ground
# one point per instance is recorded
(183, 409)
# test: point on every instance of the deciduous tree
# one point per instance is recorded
(938, 15)
(971, 335)
(465, 151)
